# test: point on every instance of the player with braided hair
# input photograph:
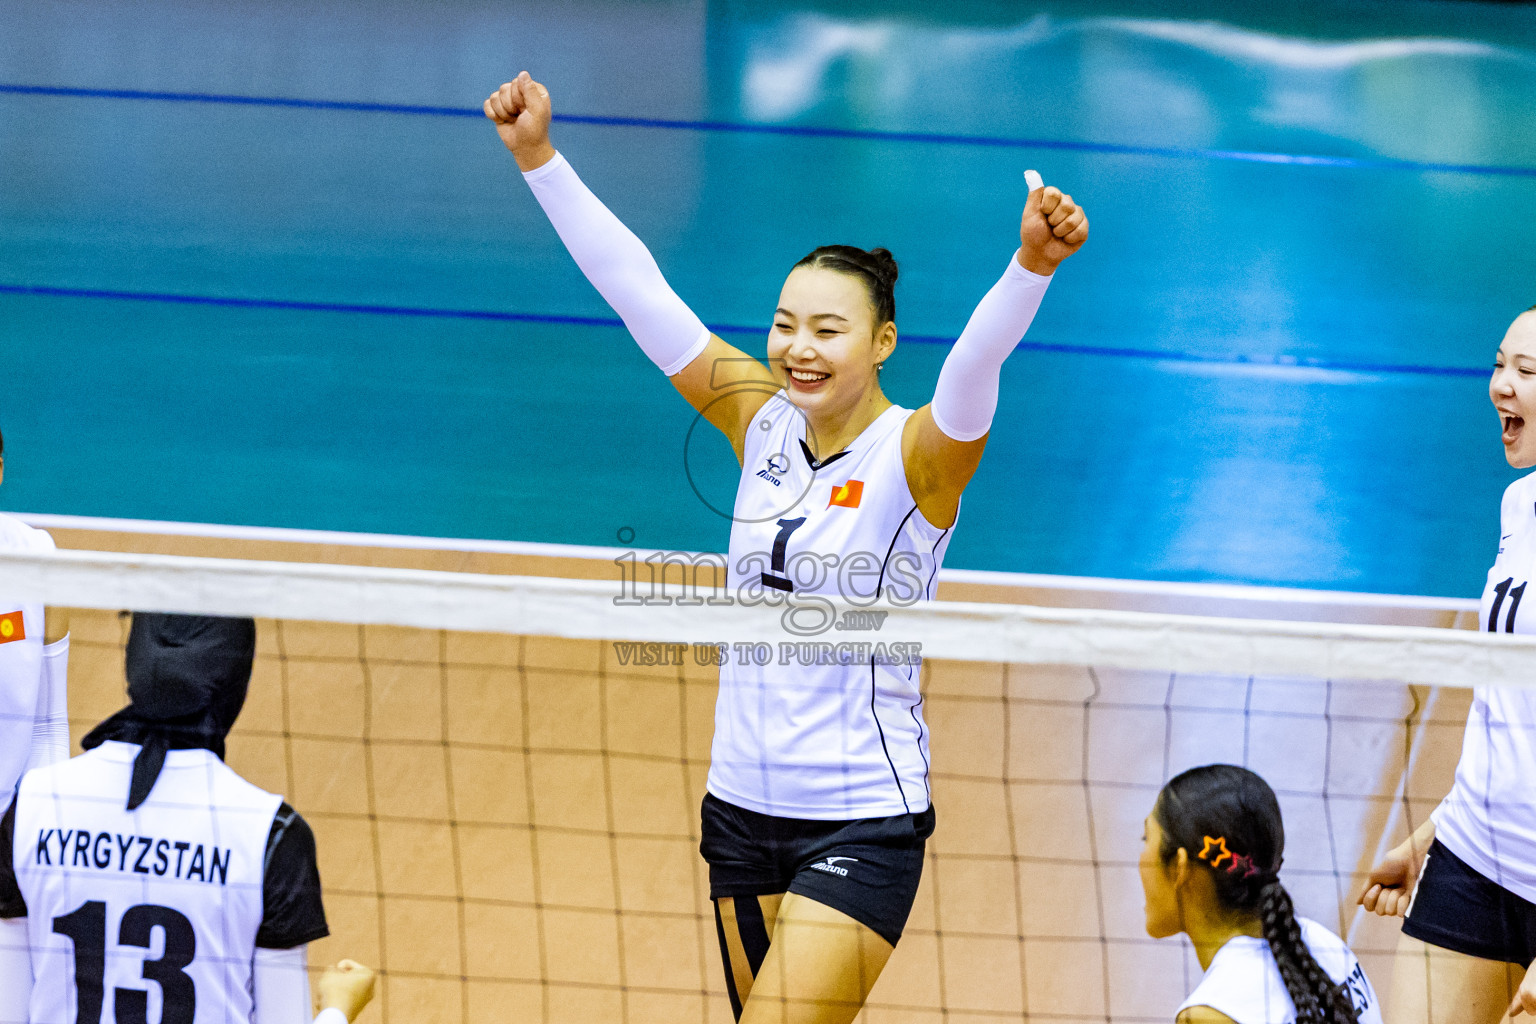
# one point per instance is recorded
(1210, 868)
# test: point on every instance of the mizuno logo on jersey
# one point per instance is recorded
(847, 495)
(141, 855)
(12, 627)
(776, 466)
(830, 865)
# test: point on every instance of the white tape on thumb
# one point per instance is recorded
(1033, 180)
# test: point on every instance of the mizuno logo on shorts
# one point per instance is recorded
(830, 865)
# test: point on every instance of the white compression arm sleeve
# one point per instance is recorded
(50, 726)
(280, 984)
(619, 266)
(966, 395)
(15, 970)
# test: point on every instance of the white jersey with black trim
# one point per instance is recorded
(21, 662)
(828, 724)
(1489, 817)
(161, 903)
(1244, 983)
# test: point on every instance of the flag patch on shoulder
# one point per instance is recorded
(12, 627)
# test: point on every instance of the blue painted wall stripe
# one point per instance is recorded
(722, 329)
(813, 131)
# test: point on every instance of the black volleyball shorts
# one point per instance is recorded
(867, 868)
(1456, 908)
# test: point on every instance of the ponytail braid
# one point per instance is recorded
(1318, 1000)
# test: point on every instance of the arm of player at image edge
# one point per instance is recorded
(15, 970)
(1389, 887)
(50, 723)
(15, 953)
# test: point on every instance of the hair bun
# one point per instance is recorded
(884, 265)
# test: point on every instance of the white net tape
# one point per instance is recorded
(588, 609)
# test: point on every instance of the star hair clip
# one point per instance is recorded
(1215, 851)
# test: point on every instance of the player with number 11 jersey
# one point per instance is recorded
(1488, 819)
(1465, 880)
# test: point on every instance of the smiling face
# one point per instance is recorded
(1159, 882)
(825, 345)
(1513, 390)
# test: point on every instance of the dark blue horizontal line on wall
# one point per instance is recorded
(728, 329)
(811, 131)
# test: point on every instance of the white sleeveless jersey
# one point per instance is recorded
(1244, 983)
(21, 662)
(152, 910)
(1489, 817)
(827, 724)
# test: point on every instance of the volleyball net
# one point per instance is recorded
(504, 773)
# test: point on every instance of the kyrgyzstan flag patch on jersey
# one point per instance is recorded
(11, 627)
(847, 495)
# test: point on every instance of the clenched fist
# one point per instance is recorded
(346, 986)
(1054, 227)
(521, 111)
(1389, 887)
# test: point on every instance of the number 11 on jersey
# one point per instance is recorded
(1503, 590)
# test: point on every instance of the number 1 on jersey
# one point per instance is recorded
(776, 579)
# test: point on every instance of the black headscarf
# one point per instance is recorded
(187, 677)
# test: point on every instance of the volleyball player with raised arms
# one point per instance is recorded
(156, 884)
(1210, 869)
(818, 806)
(1466, 879)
